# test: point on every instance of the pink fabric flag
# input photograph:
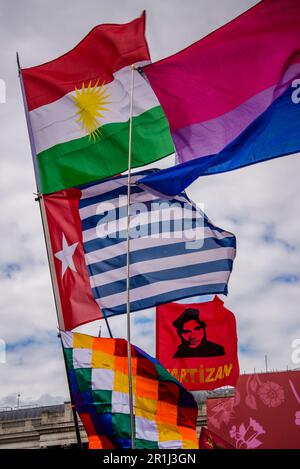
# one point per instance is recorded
(230, 97)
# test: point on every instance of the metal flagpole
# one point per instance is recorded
(128, 265)
(39, 198)
(107, 325)
(77, 430)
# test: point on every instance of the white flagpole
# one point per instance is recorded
(132, 427)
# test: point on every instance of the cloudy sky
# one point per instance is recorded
(260, 204)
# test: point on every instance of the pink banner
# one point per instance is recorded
(263, 414)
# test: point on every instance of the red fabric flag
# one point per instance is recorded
(209, 440)
(77, 302)
(105, 50)
(197, 343)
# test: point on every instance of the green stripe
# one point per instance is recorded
(146, 444)
(69, 358)
(121, 425)
(83, 160)
(102, 401)
(84, 379)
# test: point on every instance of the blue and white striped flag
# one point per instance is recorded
(175, 251)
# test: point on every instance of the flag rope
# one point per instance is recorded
(128, 264)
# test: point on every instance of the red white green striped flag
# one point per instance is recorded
(79, 109)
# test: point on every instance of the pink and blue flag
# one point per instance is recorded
(233, 98)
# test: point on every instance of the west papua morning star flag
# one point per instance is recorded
(197, 344)
(232, 98)
(175, 251)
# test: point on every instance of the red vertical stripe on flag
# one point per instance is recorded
(77, 301)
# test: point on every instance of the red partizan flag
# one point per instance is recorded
(197, 343)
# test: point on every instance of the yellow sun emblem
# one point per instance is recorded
(91, 102)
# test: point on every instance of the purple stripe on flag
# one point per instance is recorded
(210, 137)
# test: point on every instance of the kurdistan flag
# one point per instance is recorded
(79, 109)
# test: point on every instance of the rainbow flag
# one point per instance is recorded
(233, 98)
(165, 414)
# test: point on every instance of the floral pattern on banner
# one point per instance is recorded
(297, 397)
(264, 414)
(223, 412)
(270, 393)
(246, 437)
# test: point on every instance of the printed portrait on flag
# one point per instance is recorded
(197, 343)
(192, 332)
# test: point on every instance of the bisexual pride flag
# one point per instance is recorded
(233, 98)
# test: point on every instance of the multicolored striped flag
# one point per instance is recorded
(165, 414)
(79, 108)
(233, 98)
(175, 250)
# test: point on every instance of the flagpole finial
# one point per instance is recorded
(18, 63)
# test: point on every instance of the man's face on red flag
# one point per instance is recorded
(196, 339)
(192, 333)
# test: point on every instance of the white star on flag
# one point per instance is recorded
(66, 256)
